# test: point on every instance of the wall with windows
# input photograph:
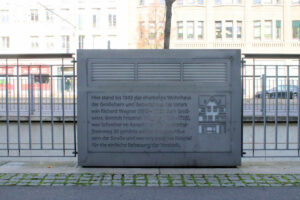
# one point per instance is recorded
(62, 26)
(255, 26)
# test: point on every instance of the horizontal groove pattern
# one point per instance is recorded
(106, 72)
(208, 72)
(159, 72)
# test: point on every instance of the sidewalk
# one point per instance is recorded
(47, 173)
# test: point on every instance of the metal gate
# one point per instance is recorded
(37, 105)
(271, 106)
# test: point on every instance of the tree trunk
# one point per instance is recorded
(169, 4)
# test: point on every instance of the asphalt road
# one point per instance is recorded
(150, 193)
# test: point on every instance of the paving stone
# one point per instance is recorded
(45, 184)
(191, 184)
(117, 176)
(177, 181)
(175, 176)
(33, 183)
(203, 185)
(128, 176)
(152, 182)
(59, 181)
(21, 184)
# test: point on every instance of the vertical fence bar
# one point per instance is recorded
(298, 107)
(63, 105)
(276, 109)
(29, 107)
(288, 107)
(253, 112)
(6, 105)
(264, 106)
(18, 107)
(41, 109)
(51, 106)
(74, 107)
(242, 106)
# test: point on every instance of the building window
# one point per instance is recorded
(278, 29)
(112, 20)
(228, 2)
(49, 16)
(4, 16)
(229, 29)
(81, 16)
(257, 29)
(200, 1)
(218, 25)
(49, 42)
(268, 29)
(34, 42)
(200, 30)
(96, 41)
(34, 15)
(161, 28)
(266, 1)
(190, 1)
(179, 2)
(81, 41)
(190, 30)
(96, 18)
(4, 42)
(179, 30)
(296, 1)
(142, 30)
(65, 42)
(296, 29)
(239, 25)
(142, 2)
(152, 33)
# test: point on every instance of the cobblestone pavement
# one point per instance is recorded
(150, 180)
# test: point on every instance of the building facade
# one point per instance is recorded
(62, 26)
(255, 26)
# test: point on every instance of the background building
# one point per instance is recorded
(62, 26)
(255, 26)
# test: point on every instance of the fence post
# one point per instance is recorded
(263, 97)
(31, 91)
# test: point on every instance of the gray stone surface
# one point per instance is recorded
(129, 119)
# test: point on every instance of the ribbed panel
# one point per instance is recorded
(210, 73)
(106, 72)
(159, 72)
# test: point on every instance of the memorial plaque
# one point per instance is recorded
(159, 108)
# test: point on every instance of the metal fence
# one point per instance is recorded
(271, 107)
(38, 106)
